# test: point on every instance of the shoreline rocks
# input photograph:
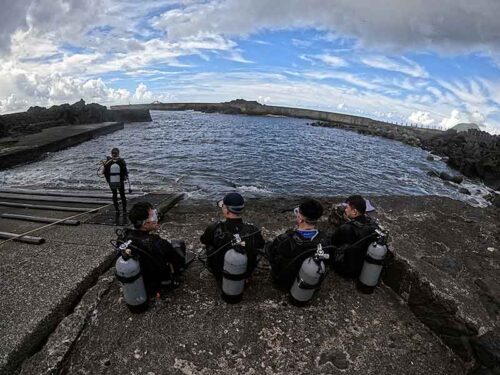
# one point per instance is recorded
(476, 154)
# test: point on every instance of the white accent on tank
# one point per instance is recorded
(134, 293)
(370, 272)
(114, 175)
(311, 273)
(235, 263)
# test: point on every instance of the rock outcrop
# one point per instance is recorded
(474, 153)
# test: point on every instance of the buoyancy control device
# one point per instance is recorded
(128, 272)
(373, 263)
(114, 175)
(234, 271)
(309, 278)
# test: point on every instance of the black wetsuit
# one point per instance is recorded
(348, 260)
(218, 237)
(287, 252)
(160, 262)
(123, 177)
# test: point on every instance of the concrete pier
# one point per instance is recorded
(14, 151)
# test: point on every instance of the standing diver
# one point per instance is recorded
(115, 171)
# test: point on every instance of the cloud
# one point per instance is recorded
(457, 117)
(421, 117)
(330, 60)
(401, 65)
(12, 17)
(443, 25)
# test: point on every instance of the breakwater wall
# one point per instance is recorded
(256, 109)
(33, 146)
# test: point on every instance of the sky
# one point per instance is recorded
(435, 63)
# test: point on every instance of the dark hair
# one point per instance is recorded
(138, 213)
(357, 202)
(115, 151)
(311, 209)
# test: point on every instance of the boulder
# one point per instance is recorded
(447, 177)
(464, 191)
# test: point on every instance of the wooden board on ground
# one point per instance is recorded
(26, 239)
(40, 219)
(45, 207)
(37, 198)
(108, 216)
(72, 193)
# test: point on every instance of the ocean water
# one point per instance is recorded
(207, 155)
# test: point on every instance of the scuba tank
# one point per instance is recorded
(373, 264)
(114, 175)
(128, 272)
(234, 271)
(309, 278)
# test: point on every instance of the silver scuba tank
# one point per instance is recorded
(373, 264)
(234, 272)
(128, 272)
(114, 176)
(309, 278)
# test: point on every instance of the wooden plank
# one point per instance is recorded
(75, 194)
(43, 207)
(52, 199)
(39, 219)
(25, 239)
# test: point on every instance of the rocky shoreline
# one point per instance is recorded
(476, 154)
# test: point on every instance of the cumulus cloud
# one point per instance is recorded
(451, 121)
(33, 89)
(421, 117)
(12, 17)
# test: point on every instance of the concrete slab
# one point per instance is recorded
(40, 284)
(30, 147)
(192, 331)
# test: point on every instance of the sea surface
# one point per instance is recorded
(207, 155)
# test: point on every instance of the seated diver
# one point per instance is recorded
(287, 252)
(161, 263)
(219, 237)
(351, 238)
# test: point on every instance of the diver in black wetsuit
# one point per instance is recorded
(161, 263)
(115, 171)
(287, 252)
(358, 230)
(218, 236)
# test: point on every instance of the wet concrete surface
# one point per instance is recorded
(192, 331)
(40, 284)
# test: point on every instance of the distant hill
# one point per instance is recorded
(464, 126)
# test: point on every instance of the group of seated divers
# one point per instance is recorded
(163, 262)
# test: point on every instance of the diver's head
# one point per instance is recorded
(232, 205)
(115, 152)
(356, 206)
(308, 213)
(143, 216)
